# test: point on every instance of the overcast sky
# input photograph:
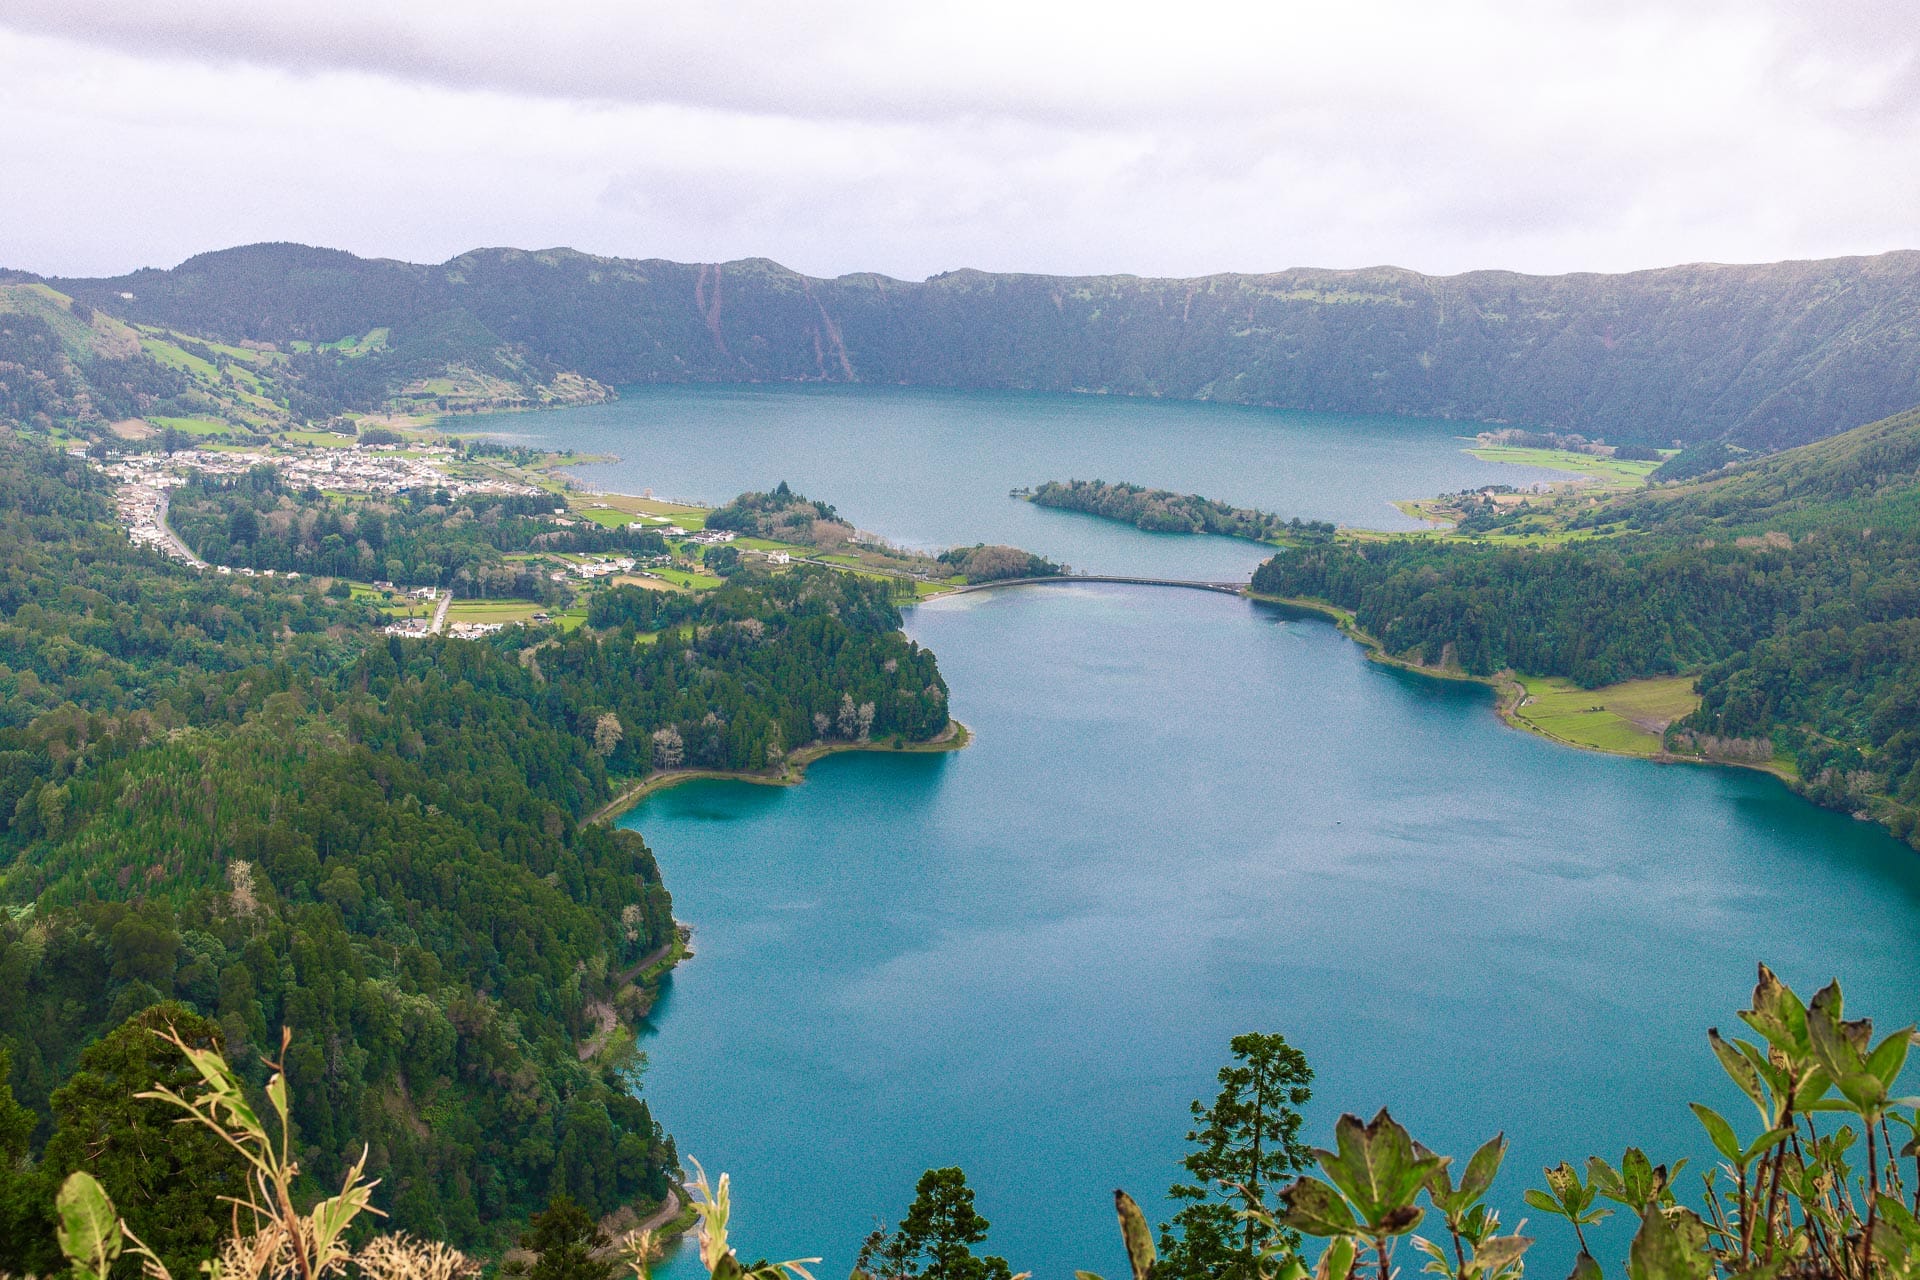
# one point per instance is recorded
(1175, 138)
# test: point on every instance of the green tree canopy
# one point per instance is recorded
(167, 1178)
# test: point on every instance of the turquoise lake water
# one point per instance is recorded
(1185, 816)
(932, 469)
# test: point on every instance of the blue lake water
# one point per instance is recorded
(1185, 816)
(932, 469)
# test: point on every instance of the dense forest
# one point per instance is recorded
(421, 539)
(1791, 583)
(232, 802)
(1163, 511)
(1765, 355)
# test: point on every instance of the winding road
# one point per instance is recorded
(180, 549)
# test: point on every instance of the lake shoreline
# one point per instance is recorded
(1509, 693)
(790, 772)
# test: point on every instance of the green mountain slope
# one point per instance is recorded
(1768, 355)
(66, 363)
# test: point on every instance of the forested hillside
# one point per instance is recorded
(1767, 355)
(64, 363)
(236, 795)
(1791, 583)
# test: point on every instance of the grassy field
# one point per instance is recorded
(925, 589)
(614, 509)
(1626, 718)
(194, 426)
(683, 578)
(492, 610)
(1607, 472)
(319, 439)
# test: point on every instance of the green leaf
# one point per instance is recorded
(1585, 1268)
(1778, 1015)
(1724, 1139)
(1545, 1203)
(1864, 1090)
(1835, 1043)
(1312, 1206)
(89, 1229)
(1891, 1054)
(1337, 1262)
(1736, 1065)
(1137, 1235)
(1660, 1252)
(1771, 1138)
(1811, 1090)
(1483, 1166)
(1380, 1172)
(1895, 1216)
(1564, 1181)
(1639, 1179)
(1602, 1178)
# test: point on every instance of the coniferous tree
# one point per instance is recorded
(564, 1237)
(935, 1240)
(1244, 1145)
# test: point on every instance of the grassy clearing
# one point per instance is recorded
(684, 578)
(768, 544)
(492, 610)
(1626, 718)
(925, 589)
(644, 582)
(194, 426)
(1608, 472)
(608, 519)
(319, 439)
(355, 346)
(168, 354)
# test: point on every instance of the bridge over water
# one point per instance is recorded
(1193, 584)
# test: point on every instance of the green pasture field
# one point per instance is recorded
(1611, 473)
(492, 610)
(1620, 718)
(194, 426)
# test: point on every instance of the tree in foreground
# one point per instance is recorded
(1246, 1142)
(935, 1240)
(566, 1243)
(171, 1181)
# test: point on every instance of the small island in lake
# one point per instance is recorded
(1163, 511)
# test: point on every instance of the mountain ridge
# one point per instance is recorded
(1765, 355)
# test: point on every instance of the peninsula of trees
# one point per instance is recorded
(1790, 583)
(781, 515)
(1765, 356)
(1163, 511)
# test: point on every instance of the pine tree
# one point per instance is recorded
(934, 1241)
(1245, 1144)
